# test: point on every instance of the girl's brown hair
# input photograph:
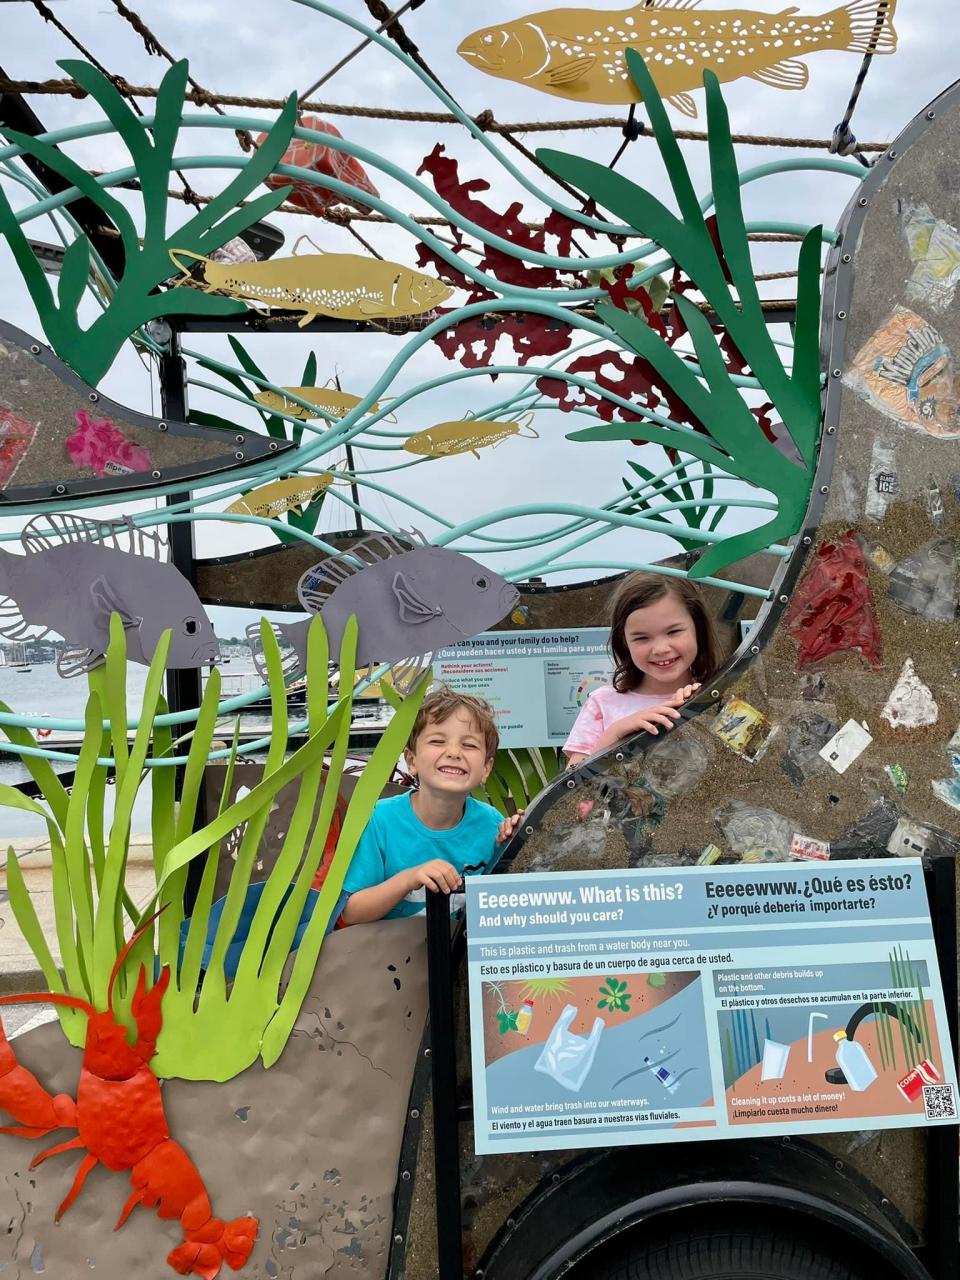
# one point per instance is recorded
(643, 588)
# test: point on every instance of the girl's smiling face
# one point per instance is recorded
(662, 641)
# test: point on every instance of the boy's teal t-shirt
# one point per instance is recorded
(395, 839)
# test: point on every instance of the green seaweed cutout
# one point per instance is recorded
(136, 298)
(732, 440)
(681, 490)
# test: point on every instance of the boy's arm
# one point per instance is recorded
(366, 905)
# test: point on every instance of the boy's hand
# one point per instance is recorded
(435, 874)
(508, 826)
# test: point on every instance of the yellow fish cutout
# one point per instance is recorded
(580, 54)
(274, 499)
(343, 285)
(466, 436)
(329, 400)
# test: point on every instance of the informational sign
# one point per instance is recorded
(536, 681)
(608, 1007)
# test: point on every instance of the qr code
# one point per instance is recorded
(939, 1102)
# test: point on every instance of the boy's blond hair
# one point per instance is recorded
(443, 702)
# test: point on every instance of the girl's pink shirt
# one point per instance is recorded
(604, 707)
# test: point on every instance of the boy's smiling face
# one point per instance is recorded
(450, 756)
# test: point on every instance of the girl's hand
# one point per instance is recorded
(436, 874)
(646, 721)
(679, 698)
(508, 826)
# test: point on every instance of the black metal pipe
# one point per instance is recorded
(443, 1054)
(184, 688)
(943, 1171)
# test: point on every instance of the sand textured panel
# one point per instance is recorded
(310, 1147)
(59, 437)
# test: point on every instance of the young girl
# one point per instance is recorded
(664, 647)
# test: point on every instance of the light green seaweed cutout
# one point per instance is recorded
(732, 439)
(147, 264)
(212, 1030)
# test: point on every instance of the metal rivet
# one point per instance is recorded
(35, 349)
(161, 426)
(807, 541)
(754, 648)
(891, 155)
(783, 599)
(93, 396)
(239, 439)
(239, 456)
(862, 202)
(824, 488)
(846, 257)
(838, 1165)
(273, 446)
(414, 1114)
(427, 1053)
(714, 693)
(511, 1223)
(405, 1175)
(571, 783)
(398, 1238)
(156, 474)
(61, 488)
(831, 431)
(556, 1179)
(619, 755)
(836, 373)
(528, 831)
(841, 315)
(931, 115)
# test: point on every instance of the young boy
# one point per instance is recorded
(424, 839)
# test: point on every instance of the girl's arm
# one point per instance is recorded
(664, 713)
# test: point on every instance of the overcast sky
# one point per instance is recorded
(271, 47)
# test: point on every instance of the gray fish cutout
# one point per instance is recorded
(409, 599)
(61, 439)
(75, 573)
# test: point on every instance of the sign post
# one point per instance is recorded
(610, 1007)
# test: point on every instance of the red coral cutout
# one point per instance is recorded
(833, 610)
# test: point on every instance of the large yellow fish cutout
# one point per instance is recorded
(580, 54)
(274, 499)
(345, 285)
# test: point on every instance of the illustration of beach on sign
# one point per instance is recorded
(624, 1038)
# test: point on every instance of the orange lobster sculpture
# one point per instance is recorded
(120, 1123)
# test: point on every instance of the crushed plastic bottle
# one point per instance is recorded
(665, 1076)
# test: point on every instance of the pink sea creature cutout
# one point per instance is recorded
(102, 447)
(16, 437)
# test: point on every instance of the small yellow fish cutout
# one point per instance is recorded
(274, 499)
(467, 436)
(329, 400)
(580, 54)
(344, 285)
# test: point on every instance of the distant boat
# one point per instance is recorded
(21, 667)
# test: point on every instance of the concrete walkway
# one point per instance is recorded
(19, 970)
